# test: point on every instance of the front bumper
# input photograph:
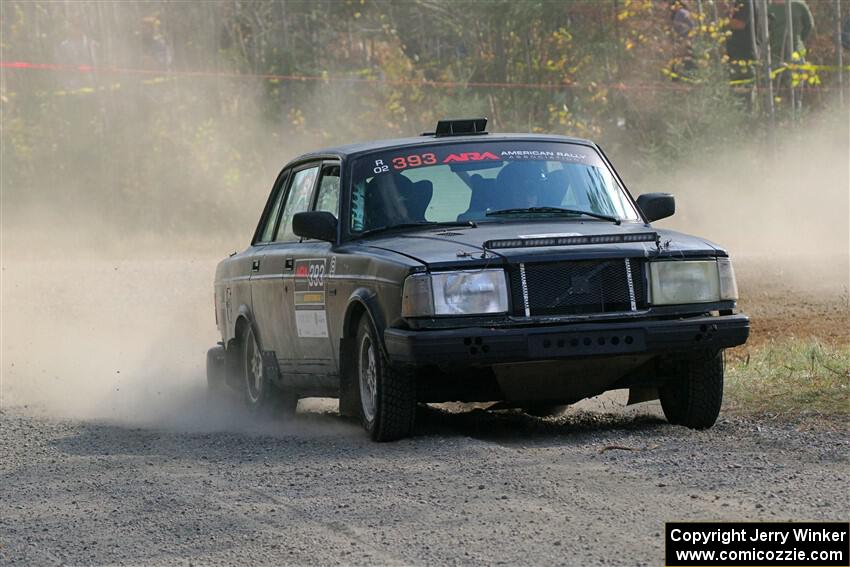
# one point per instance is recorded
(479, 345)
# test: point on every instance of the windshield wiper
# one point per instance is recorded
(419, 224)
(550, 210)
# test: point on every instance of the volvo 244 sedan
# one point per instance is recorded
(473, 267)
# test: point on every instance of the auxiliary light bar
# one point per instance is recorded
(571, 240)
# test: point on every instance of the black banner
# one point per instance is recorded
(763, 544)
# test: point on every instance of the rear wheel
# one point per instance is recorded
(259, 391)
(387, 392)
(693, 397)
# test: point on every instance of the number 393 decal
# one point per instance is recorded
(414, 160)
(310, 275)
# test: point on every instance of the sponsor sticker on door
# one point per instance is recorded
(310, 314)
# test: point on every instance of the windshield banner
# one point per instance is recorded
(473, 156)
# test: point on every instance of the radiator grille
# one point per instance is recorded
(581, 287)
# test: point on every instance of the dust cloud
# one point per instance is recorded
(121, 341)
(106, 286)
(783, 216)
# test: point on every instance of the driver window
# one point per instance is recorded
(297, 201)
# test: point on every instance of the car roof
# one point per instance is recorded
(353, 150)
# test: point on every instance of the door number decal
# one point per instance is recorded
(310, 315)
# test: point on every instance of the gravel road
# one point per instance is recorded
(110, 453)
(471, 487)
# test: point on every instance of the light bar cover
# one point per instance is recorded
(461, 127)
(571, 240)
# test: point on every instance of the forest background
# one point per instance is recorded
(173, 118)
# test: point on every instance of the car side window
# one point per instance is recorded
(271, 219)
(328, 197)
(297, 201)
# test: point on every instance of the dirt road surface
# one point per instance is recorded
(469, 488)
(113, 454)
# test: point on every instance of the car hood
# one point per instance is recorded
(438, 246)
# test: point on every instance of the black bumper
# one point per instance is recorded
(475, 346)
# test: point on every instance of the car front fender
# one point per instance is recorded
(364, 300)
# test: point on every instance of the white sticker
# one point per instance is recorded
(311, 323)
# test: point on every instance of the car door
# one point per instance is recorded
(310, 291)
(273, 270)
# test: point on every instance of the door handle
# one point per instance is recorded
(289, 264)
(255, 266)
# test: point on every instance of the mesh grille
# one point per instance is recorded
(573, 288)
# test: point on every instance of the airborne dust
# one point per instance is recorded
(107, 318)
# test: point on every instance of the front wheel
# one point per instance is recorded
(387, 392)
(693, 397)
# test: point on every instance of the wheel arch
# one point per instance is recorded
(242, 322)
(362, 302)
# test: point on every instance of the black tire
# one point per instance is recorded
(387, 393)
(693, 398)
(259, 392)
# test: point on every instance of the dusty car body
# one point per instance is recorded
(466, 266)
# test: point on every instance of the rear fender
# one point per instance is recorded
(243, 317)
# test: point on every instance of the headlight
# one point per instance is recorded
(676, 282)
(472, 292)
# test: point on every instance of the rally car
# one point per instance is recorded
(466, 266)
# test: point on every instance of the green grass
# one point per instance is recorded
(790, 378)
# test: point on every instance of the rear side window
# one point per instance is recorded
(297, 201)
(271, 219)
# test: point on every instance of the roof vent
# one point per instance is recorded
(460, 127)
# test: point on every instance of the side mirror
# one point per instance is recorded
(657, 206)
(317, 225)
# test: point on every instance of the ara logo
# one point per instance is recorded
(470, 156)
(302, 271)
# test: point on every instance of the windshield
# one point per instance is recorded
(471, 181)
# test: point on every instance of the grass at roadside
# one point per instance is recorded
(790, 378)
